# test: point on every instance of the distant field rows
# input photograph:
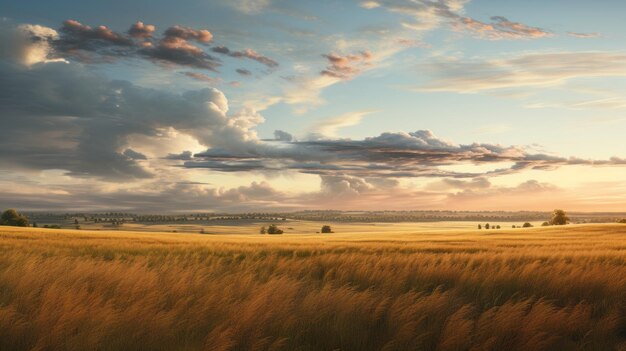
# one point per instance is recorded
(289, 226)
(557, 288)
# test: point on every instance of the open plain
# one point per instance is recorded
(554, 288)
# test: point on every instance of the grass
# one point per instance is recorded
(524, 289)
(290, 226)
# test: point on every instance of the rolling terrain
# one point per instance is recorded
(555, 288)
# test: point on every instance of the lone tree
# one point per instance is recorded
(13, 218)
(326, 229)
(273, 229)
(559, 217)
(480, 226)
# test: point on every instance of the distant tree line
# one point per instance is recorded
(558, 217)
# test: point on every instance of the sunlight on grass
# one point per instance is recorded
(536, 289)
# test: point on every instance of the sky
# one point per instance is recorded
(272, 105)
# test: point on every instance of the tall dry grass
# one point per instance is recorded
(539, 289)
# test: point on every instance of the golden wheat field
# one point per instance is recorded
(522, 289)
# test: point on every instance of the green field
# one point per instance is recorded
(365, 287)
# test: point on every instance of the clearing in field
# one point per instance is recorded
(526, 289)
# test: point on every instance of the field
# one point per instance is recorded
(556, 288)
(290, 226)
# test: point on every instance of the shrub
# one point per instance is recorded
(527, 225)
(326, 229)
(545, 224)
(273, 229)
(13, 218)
(559, 217)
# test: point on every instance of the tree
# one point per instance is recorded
(262, 230)
(75, 221)
(545, 224)
(13, 218)
(487, 226)
(498, 227)
(513, 226)
(326, 229)
(273, 229)
(623, 221)
(527, 225)
(559, 217)
(480, 226)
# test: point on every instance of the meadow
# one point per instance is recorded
(554, 288)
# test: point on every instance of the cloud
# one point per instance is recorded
(244, 72)
(500, 29)
(153, 197)
(524, 70)
(202, 77)
(77, 36)
(134, 155)
(525, 195)
(347, 66)
(450, 183)
(175, 48)
(390, 155)
(249, 7)
(342, 185)
(27, 44)
(101, 44)
(584, 35)
(328, 128)
(426, 15)
(183, 156)
(247, 53)
(186, 33)
(86, 126)
(141, 30)
(283, 136)
(178, 45)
